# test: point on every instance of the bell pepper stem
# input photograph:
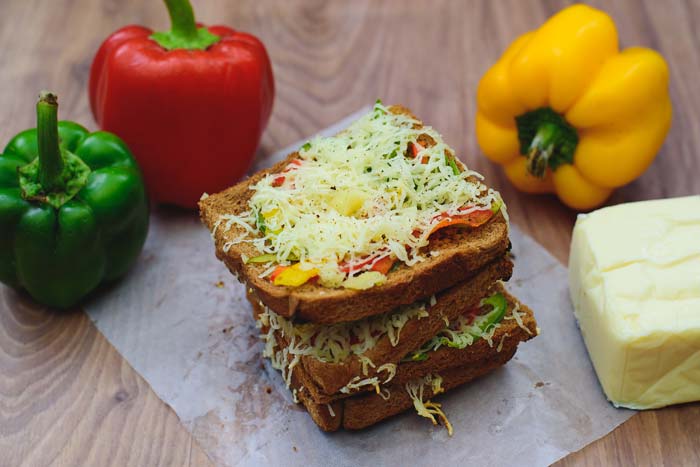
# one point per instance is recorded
(541, 149)
(546, 139)
(50, 157)
(181, 18)
(184, 33)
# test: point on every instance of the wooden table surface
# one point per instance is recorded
(68, 398)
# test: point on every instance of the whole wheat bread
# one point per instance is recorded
(461, 252)
(455, 366)
(326, 378)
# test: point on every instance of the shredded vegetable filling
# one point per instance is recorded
(466, 329)
(336, 342)
(349, 201)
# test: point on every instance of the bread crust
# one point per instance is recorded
(461, 253)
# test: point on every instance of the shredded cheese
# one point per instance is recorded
(330, 410)
(366, 362)
(436, 385)
(336, 342)
(500, 344)
(428, 409)
(385, 394)
(390, 369)
(518, 317)
(357, 383)
(488, 334)
(462, 332)
(356, 195)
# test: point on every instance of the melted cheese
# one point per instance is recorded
(358, 194)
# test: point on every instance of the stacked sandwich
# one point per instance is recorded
(374, 261)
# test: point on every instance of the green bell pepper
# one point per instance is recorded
(463, 338)
(73, 209)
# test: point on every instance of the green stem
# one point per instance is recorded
(181, 18)
(546, 139)
(541, 149)
(50, 158)
(184, 33)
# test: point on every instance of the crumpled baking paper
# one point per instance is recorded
(181, 320)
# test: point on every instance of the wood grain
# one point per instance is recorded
(68, 398)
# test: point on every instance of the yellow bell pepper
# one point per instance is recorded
(292, 276)
(565, 111)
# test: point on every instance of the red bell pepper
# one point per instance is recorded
(191, 102)
(472, 219)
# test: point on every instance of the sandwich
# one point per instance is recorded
(374, 262)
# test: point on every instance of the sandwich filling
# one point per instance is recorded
(348, 207)
(336, 342)
(468, 327)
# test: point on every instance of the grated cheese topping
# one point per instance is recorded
(360, 194)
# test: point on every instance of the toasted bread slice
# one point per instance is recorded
(326, 378)
(455, 366)
(460, 252)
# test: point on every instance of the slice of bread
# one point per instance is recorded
(459, 253)
(366, 410)
(325, 379)
(455, 366)
(509, 333)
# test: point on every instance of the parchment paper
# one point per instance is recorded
(182, 322)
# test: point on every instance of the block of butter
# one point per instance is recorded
(634, 278)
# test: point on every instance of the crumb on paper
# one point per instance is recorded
(294, 448)
(219, 285)
(228, 329)
(268, 390)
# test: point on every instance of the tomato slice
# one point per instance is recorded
(384, 265)
(293, 165)
(472, 219)
(416, 149)
(347, 269)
